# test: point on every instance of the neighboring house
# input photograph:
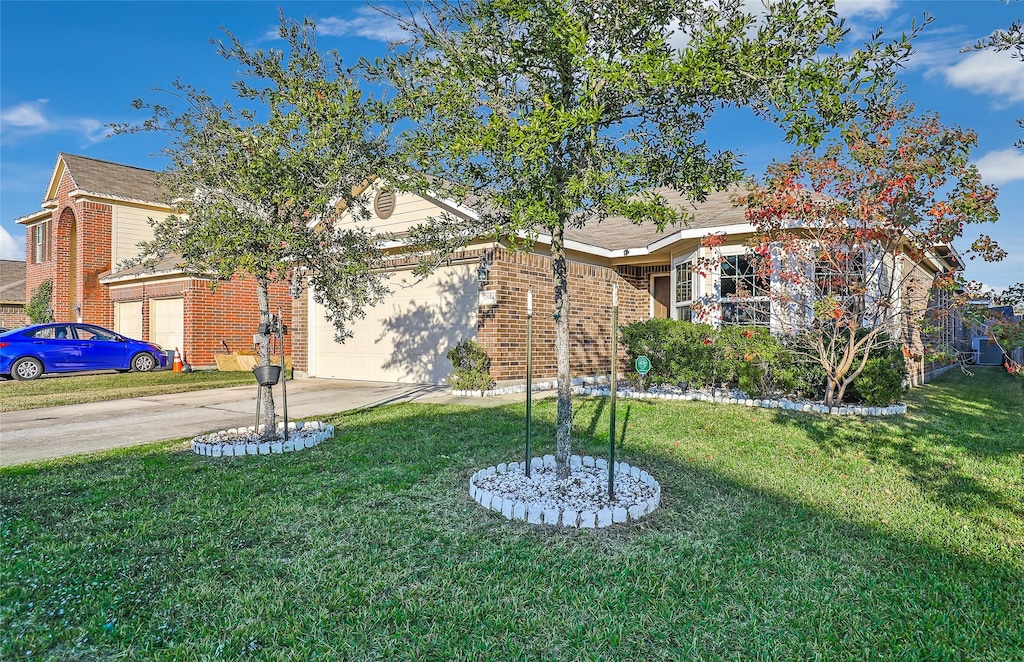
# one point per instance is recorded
(984, 348)
(94, 215)
(12, 294)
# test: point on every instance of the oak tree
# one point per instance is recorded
(257, 183)
(555, 114)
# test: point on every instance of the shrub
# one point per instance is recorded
(471, 367)
(701, 356)
(39, 309)
(677, 350)
(881, 382)
(803, 376)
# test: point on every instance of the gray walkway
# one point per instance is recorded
(39, 434)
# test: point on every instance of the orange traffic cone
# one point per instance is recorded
(177, 361)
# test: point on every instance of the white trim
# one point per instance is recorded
(35, 217)
(695, 282)
(82, 193)
(310, 331)
(696, 233)
(113, 278)
(118, 286)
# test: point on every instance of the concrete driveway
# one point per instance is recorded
(39, 434)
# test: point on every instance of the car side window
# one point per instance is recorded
(94, 333)
(51, 332)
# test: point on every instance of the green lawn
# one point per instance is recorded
(781, 536)
(79, 389)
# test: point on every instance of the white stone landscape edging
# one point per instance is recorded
(246, 441)
(581, 386)
(637, 492)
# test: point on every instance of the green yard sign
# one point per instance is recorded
(643, 365)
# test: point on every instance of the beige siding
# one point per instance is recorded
(130, 226)
(128, 319)
(409, 210)
(406, 338)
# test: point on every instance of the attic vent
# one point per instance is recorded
(384, 204)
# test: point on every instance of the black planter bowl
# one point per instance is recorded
(267, 375)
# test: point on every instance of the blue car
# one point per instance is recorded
(31, 351)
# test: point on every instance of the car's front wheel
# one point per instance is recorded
(26, 368)
(143, 362)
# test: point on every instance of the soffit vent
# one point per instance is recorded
(384, 204)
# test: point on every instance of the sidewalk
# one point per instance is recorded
(39, 434)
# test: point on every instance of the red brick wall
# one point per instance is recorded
(12, 316)
(91, 224)
(501, 329)
(94, 235)
(299, 332)
(229, 313)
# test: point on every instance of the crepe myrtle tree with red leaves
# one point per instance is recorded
(853, 245)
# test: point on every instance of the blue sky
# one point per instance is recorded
(67, 69)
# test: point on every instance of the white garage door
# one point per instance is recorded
(167, 322)
(128, 319)
(406, 338)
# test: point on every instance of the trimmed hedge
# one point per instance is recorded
(698, 356)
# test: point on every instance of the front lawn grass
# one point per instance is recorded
(781, 536)
(79, 389)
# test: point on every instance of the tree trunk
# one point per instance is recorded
(266, 392)
(563, 431)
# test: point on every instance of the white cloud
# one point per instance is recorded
(11, 248)
(1001, 166)
(31, 118)
(989, 72)
(367, 23)
(26, 115)
(878, 9)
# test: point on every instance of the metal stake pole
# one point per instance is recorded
(615, 356)
(284, 374)
(259, 396)
(529, 378)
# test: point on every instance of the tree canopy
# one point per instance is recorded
(559, 113)
(258, 183)
(857, 240)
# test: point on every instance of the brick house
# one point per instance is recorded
(94, 213)
(12, 294)
(406, 338)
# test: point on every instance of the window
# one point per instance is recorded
(841, 275)
(41, 241)
(51, 333)
(684, 275)
(744, 293)
(95, 333)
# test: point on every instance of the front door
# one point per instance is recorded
(661, 293)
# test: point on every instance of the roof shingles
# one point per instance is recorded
(114, 179)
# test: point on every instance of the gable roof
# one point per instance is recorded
(12, 281)
(107, 179)
(613, 234)
(617, 235)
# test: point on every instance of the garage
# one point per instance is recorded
(128, 318)
(167, 322)
(407, 337)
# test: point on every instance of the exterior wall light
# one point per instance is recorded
(483, 272)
